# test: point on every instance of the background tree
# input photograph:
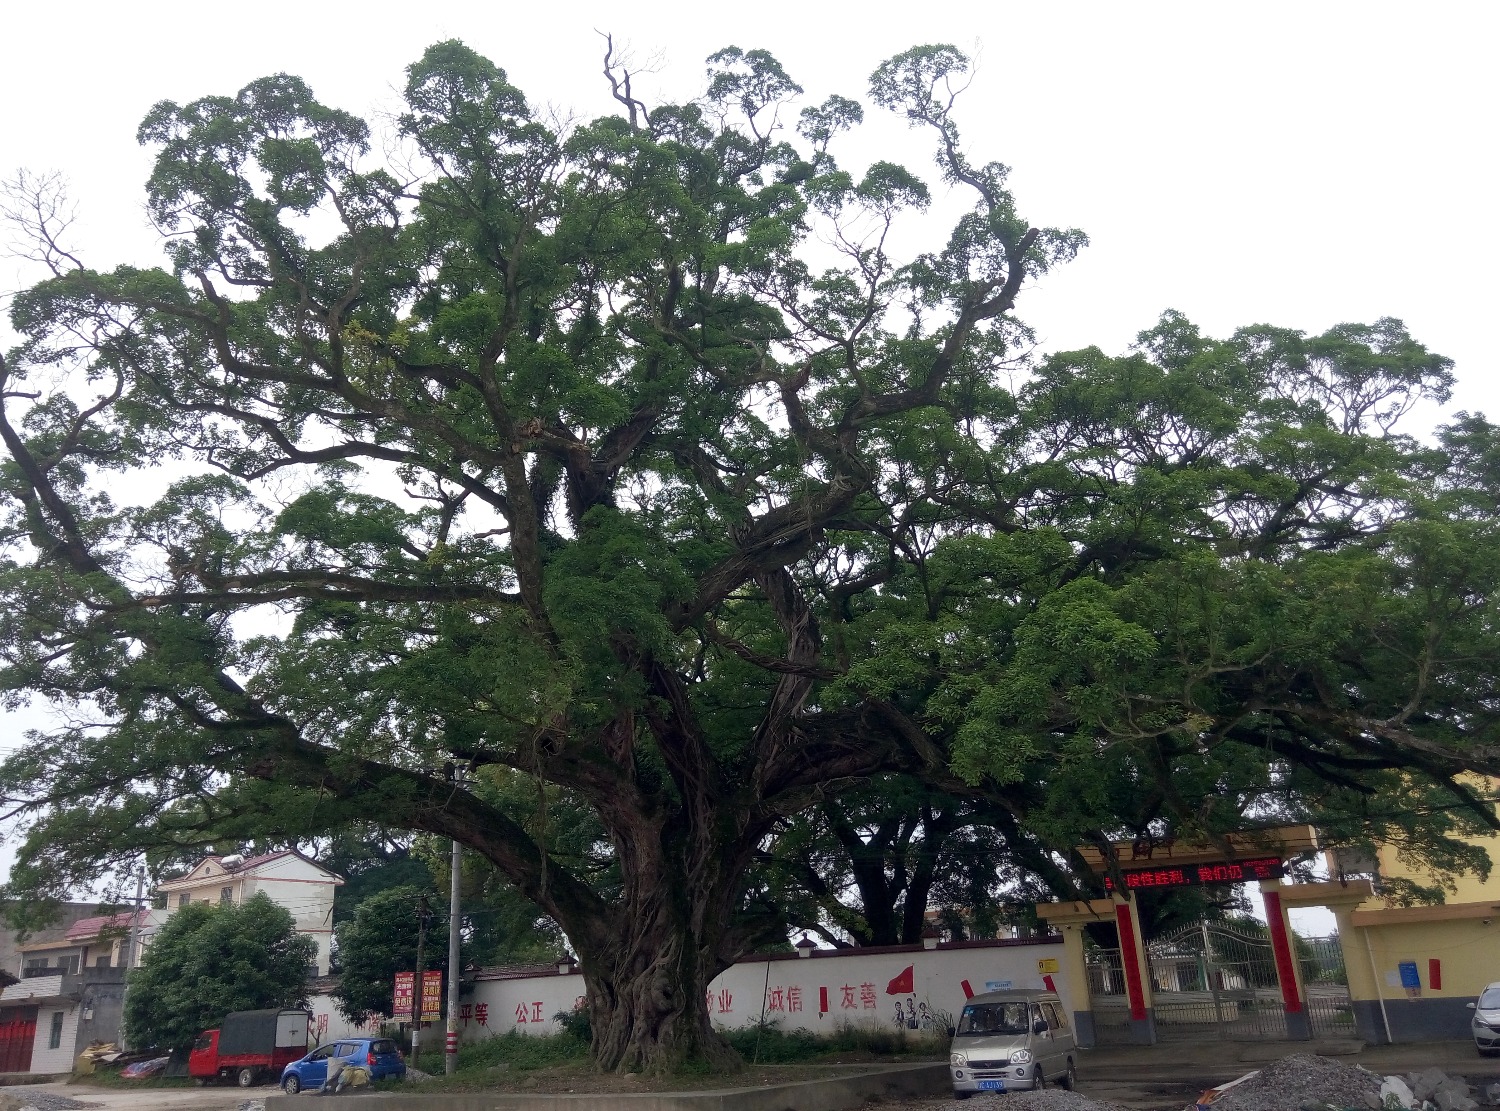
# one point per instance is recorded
(865, 867)
(380, 941)
(209, 960)
(626, 460)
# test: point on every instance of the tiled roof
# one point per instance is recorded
(256, 861)
(92, 927)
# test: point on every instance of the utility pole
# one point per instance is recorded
(416, 1026)
(133, 958)
(450, 1047)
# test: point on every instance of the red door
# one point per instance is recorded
(17, 1034)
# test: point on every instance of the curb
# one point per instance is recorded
(833, 1094)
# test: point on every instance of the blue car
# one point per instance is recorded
(377, 1055)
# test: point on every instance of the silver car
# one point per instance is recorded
(1486, 1022)
(1011, 1040)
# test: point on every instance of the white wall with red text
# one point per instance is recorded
(919, 989)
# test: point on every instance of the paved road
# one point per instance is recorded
(146, 1099)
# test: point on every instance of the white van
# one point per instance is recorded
(1012, 1040)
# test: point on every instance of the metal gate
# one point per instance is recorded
(17, 1035)
(1217, 980)
(1108, 999)
(1326, 986)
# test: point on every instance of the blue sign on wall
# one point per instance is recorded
(1409, 977)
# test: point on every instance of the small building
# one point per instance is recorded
(300, 885)
(71, 992)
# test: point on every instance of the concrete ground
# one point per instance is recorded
(1142, 1078)
(146, 1099)
(1170, 1075)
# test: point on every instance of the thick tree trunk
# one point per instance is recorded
(649, 1007)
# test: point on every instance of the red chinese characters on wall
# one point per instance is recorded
(482, 1013)
(465, 1013)
(529, 1012)
(721, 1001)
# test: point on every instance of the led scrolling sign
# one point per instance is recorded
(1193, 875)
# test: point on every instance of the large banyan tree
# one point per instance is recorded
(622, 458)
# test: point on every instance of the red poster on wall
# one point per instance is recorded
(402, 1000)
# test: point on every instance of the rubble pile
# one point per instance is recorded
(37, 1101)
(1303, 1082)
(1049, 1099)
(1300, 1080)
(1429, 1090)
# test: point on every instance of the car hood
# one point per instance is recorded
(997, 1046)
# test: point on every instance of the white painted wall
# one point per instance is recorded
(857, 985)
(44, 1060)
(328, 1025)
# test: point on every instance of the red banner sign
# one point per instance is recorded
(405, 989)
(432, 996)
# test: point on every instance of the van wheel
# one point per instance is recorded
(1070, 1078)
(246, 1078)
(1041, 1080)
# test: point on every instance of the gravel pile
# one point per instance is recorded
(253, 1105)
(1286, 1084)
(42, 1101)
(1049, 1099)
(417, 1074)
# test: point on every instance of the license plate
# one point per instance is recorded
(992, 1085)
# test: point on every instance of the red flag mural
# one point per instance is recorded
(1047, 979)
(968, 991)
(903, 984)
(822, 1001)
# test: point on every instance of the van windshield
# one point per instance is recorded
(993, 1018)
(205, 1041)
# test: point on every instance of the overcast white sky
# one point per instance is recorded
(1302, 164)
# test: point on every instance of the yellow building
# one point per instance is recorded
(1413, 971)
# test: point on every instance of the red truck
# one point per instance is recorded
(249, 1046)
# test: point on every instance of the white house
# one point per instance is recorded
(288, 878)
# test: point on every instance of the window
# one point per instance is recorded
(54, 1037)
(68, 965)
(37, 968)
(102, 962)
(184, 899)
(993, 1018)
(226, 896)
(1037, 1016)
(1057, 1017)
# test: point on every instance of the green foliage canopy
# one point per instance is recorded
(623, 463)
(209, 960)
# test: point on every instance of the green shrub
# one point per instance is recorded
(767, 1043)
(523, 1052)
(576, 1022)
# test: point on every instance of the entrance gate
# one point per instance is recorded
(1217, 980)
(1326, 986)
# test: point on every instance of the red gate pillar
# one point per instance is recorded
(1288, 974)
(1137, 969)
